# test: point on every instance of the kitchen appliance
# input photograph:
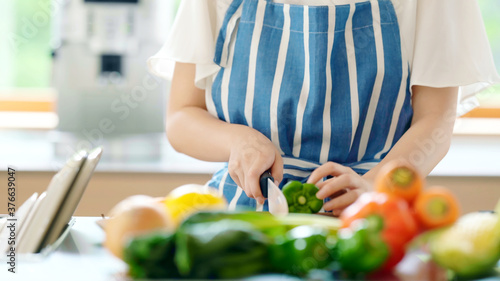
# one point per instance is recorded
(100, 53)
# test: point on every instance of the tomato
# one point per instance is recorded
(399, 223)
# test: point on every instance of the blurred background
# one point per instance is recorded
(73, 75)
(79, 66)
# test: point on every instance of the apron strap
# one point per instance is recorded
(229, 26)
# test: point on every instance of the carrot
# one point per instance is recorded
(400, 179)
(436, 207)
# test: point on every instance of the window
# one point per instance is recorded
(25, 53)
(30, 31)
(26, 48)
(490, 99)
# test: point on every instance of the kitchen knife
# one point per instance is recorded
(277, 202)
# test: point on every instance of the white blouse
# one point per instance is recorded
(445, 39)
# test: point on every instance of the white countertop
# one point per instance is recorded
(79, 257)
(30, 150)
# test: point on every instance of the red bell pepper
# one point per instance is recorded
(399, 225)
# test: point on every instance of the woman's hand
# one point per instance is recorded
(343, 189)
(192, 130)
(252, 154)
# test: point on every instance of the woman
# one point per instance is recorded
(319, 90)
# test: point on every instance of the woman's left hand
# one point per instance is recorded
(343, 189)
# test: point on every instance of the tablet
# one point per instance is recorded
(29, 218)
(21, 215)
(72, 199)
(49, 217)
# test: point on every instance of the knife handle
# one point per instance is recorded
(263, 182)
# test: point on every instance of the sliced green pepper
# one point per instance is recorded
(302, 198)
(360, 247)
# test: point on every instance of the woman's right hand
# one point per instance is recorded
(251, 154)
(192, 130)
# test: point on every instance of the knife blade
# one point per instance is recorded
(278, 205)
(277, 202)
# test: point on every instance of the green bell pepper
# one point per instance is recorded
(303, 249)
(221, 250)
(151, 256)
(225, 245)
(360, 247)
(301, 198)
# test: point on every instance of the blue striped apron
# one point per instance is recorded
(323, 83)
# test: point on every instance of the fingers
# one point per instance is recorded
(246, 174)
(252, 183)
(328, 169)
(249, 159)
(236, 173)
(341, 202)
(249, 181)
(331, 186)
(343, 191)
(277, 168)
(258, 168)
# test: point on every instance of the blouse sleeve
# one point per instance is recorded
(191, 40)
(452, 49)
